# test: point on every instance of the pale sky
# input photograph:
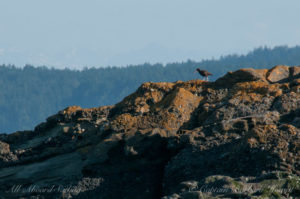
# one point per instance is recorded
(78, 33)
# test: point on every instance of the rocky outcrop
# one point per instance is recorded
(238, 137)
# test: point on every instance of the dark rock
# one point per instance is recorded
(242, 75)
(295, 72)
(192, 139)
(287, 103)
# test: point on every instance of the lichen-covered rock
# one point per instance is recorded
(278, 73)
(295, 72)
(242, 75)
(238, 137)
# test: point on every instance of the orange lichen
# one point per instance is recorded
(71, 109)
(252, 142)
(255, 91)
(124, 122)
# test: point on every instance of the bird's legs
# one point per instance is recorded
(205, 78)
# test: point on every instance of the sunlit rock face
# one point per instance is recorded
(236, 137)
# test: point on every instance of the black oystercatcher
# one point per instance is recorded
(203, 73)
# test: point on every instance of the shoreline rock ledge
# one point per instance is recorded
(237, 137)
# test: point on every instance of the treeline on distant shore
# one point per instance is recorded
(30, 94)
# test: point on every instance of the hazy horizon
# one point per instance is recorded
(75, 34)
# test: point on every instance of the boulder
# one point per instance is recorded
(278, 73)
(242, 75)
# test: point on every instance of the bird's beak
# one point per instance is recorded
(195, 71)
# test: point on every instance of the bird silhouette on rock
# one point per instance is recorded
(203, 73)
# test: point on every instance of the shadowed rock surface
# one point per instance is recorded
(238, 137)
